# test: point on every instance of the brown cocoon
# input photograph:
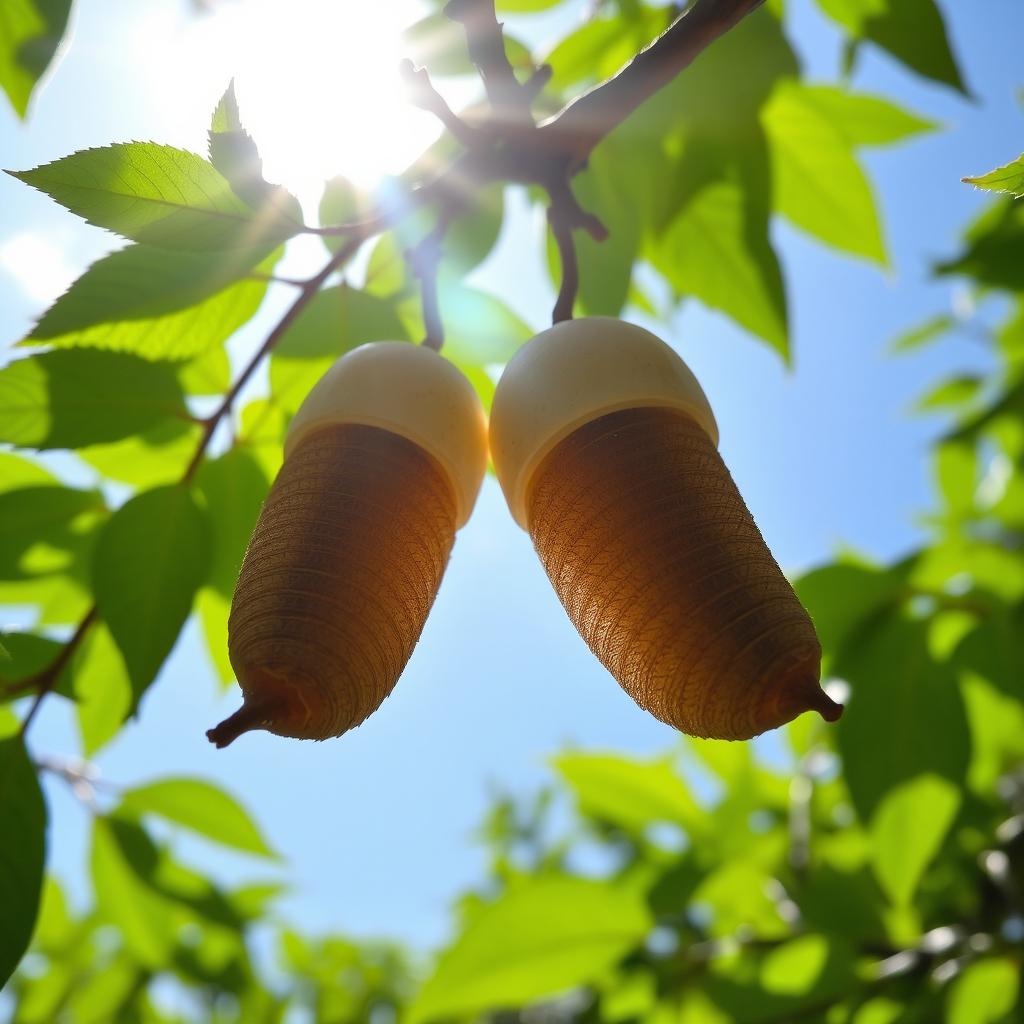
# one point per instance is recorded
(337, 581)
(661, 568)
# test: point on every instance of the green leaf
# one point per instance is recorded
(200, 807)
(480, 330)
(157, 303)
(159, 195)
(103, 690)
(541, 937)
(342, 202)
(472, 235)
(905, 716)
(46, 517)
(960, 389)
(711, 251)
(209, 373)
(18, 471)
(907, 830)
(30, 33)
(818, 183)
(842, 597)
(985, 992)
(151, 558)
(864, 120)
(213, 609)
(22, 853)
(124, 861)
(628, 793)
(995, 242)
(77, 397)
(30, 654)
(911, 30)
(156, 456)
(234, 154)
(234, 488)
(337, 320)
(924, 334)
(1008, 178)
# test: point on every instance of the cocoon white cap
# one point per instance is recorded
(571, 374)
(411, 391)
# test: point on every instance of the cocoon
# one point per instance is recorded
(383, 462)
(606, 449)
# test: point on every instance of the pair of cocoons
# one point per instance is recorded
(606, 450)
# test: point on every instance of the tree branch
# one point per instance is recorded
(581, 125)
(486, 45)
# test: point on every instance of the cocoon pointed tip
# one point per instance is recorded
(382, 464)
(605, 447)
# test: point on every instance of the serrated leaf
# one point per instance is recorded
(22, 854)
(150, 559)
(1008, 178)
(200, 807)
(907, 829)
(541, 937)
(30, 34)
(158, 195)
(103, 690)
(817, 182)
(911, 30)
(125, 307)
(234, 154)
(73, 398)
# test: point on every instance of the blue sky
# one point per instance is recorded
(375, 826)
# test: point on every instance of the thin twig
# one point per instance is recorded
(49, 677)
(486, 45)
(305, 296)
(424, 95)
(570, 283)
(424, 259)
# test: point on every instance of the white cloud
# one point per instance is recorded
(39, 265)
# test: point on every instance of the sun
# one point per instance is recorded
(318, 86)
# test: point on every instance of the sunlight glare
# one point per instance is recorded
(318, 87)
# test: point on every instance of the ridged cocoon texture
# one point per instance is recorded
(350, 547)
(649, 545)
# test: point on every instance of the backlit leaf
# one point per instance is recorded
(200, 807)
(30, 33)
(151, 558)
(156, 194)
(907, 830)
(541, 937)
(78, 397)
